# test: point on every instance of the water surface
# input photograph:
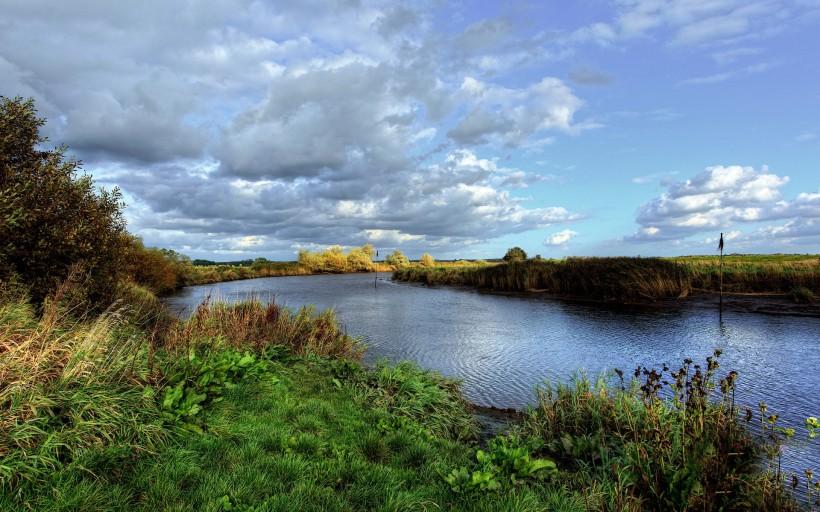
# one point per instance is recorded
(503, 346)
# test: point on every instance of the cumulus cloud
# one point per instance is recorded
(514, 116)
(721, 197)
(560, 238)
(257, 127)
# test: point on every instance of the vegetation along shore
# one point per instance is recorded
(796, 277)
(109, 403)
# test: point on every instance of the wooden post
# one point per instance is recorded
(720, 248)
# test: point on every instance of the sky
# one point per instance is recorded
(241, 129)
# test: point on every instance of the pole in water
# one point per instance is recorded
(720, 248)
(376, 282)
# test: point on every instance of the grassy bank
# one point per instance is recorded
(634, 279)
(217, 273)
(254, 407)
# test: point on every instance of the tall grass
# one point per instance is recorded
(70, 384)
(252, 324)
(664, 440)
(628, 279)
(67, 386)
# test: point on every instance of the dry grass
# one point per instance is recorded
(631, 279)
(254, 324)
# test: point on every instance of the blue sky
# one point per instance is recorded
(244, 129)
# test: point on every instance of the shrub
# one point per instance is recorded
(515, 254)
(427, 260)
(160, 270)
(397, 259)
(51, 219)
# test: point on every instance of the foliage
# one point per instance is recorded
(397, 259)
(515, 254)
(662, 439)
(803, 295)
(203, 378)
(507, 462)
(334, 260)
(51, 219)
(427, 260)
(67, 387)
(160, 270)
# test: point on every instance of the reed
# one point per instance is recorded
(630, 279)
(253, 324)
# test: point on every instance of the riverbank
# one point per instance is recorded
(254, 407)
(210, 274)
(750, 283)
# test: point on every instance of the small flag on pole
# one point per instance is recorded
(720, 244)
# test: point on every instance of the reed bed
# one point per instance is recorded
(631, 279)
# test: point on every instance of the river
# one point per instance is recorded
(503, 346)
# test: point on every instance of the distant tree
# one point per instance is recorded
(369, 250)
(51, 218)
(397, 259)
(160, 270)
(427, 260)
(334, 259)
(515, 254)
(359, 260)
(310, 260)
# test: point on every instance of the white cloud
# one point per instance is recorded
(560, 238)
(693, 23)
(513, 117)
(720, 197)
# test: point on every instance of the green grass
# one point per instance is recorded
(308, 442)
(251, 407)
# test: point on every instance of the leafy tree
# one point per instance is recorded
(427, 260)
(310, 260)
(369, 250)
(51, 218)
(359, 260)
(334, 259)
(160, 270)
(397, 259)
(515, 254)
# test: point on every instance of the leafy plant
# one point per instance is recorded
(505, 462)
(202, 380)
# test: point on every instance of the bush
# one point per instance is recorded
(51, 219)
(397, 259)
(160, 270)
(427, 260)
(515, 254)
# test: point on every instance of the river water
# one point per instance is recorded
(503, 346)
